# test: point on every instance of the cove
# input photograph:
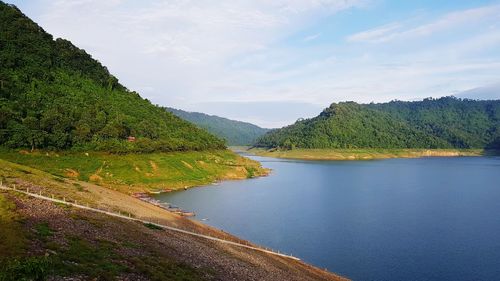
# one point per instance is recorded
(394, 219)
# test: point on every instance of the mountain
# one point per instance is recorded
(55, 95)
(234, 132)
(489, 92)
(447, 122)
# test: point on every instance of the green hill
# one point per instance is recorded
(55, 95)
(234, 132)
(432, 123)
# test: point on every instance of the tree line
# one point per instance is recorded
(446, 122)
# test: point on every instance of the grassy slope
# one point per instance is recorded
(51, 239)
(12, 238)
(363, 154)
(141, 172)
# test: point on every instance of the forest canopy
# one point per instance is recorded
(54, 95)
(234, 132)
(446, 122)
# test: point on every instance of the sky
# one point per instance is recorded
(272, 62)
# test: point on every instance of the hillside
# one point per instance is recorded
(55, 95)
(432, 123)
(139, 172)
(234, 132)
(42, 240)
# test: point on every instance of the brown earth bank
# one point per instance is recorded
(84, 245)
(365, 154)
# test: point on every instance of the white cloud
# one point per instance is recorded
(180, 47)
(193, 54)
(451, 20)
(312, 37)
(375, 35)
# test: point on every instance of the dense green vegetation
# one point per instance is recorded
(432, 123)
(55, 95)
(462, 123)
(234, 132)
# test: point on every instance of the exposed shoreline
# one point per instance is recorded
(365, 154)
(227, 261)
(141, 172)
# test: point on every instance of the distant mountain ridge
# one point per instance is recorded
(234, 132)
(55, 95)
(488, 92)
(447, 122)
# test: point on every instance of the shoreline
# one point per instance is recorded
(147, 172)
(366, 154)
(265, 172)
(99, 197)
(124, 216)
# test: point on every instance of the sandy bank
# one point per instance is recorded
(363, 154)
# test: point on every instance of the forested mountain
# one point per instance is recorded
(55, 95)
(234, 132)
(447, 122)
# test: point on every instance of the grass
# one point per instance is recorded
(153, 226)
(76, 254)
(43, 230)
(12, 235)
(95, 261)
(79, 255)
(30, 268)
(59, 179)
(14, 265)
(79, 187)
(164, 269)
(140, 172)
(100, 260)
(362, 154)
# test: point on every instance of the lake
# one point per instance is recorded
(395, 219)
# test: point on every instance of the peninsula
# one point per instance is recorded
(446, 126)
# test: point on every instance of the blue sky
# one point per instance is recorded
(271, 62)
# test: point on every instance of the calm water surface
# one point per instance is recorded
(397, 219)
